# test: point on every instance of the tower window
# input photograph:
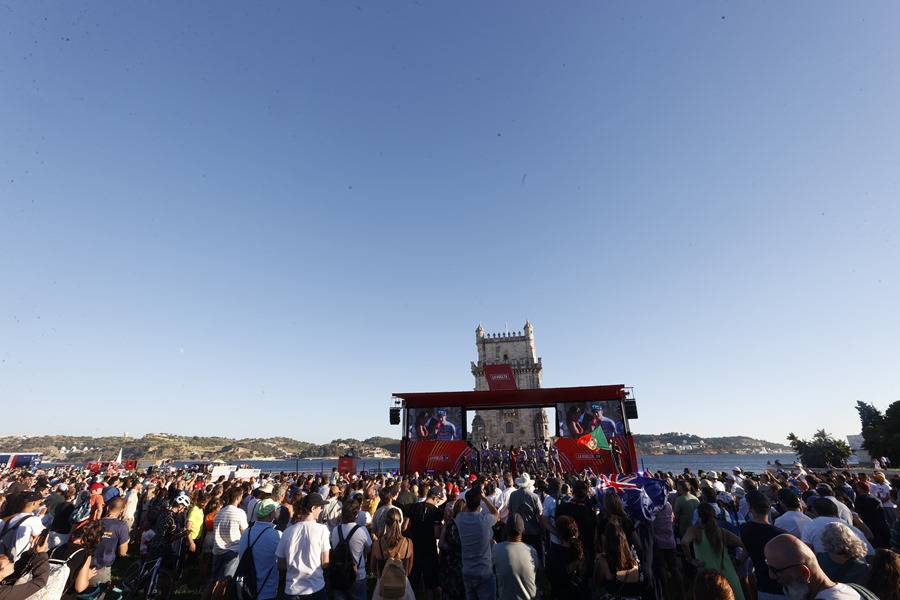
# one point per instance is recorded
(506, 357)
(509, 428)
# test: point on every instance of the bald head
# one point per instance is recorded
(787, 549)
(793, 564)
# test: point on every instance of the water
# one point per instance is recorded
(676, 463)
(668, 462)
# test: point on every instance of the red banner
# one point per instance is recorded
(437, 457)
(500, 377)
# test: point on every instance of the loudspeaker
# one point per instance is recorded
(395, 416)
(631, 409)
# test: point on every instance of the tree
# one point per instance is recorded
(821, 451)
(881, 433)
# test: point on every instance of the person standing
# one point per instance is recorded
(516, 564)
(228, 525)
(756, 532)
(303, 552)
(526, 503)
(476, 533)
(422, 526)
(262, 539)
(116, 536)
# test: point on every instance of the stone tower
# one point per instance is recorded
(517, 426)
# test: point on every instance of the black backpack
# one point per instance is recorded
(245, 587)
(342, 569)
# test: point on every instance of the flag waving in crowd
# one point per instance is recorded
(595, 440)
(642, 497)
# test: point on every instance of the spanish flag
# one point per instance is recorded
(595, 440)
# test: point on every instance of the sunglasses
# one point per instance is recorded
(775, 571)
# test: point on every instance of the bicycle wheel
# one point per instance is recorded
(131, 581)
(163, 588)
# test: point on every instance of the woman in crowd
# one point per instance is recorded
(844, 559)
(884, 575)
(452, 587)
(614, 512)
(567, 569)
(617, 570)
(77, 553)
(392, 545)
(710, 547)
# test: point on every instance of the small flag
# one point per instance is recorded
(595, 440)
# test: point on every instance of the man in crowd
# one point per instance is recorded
(303, 552)
(755, 534)
(263, 538)
(526, 503)
(476, 534)
(229, 524)
(116, 536)
(422, 526)
(516, 564)
(793, 565)
(826, 512)
(792, 520)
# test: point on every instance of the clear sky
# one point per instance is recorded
(225, 218)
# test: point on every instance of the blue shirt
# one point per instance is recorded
(264, 538)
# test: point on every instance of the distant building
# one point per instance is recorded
(856, 444)
(509, 426)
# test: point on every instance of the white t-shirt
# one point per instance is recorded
(793, 521)
(550, 504)
(812, 534)
(360, 543)
(839, 592)
(27, 526)
(302, 546)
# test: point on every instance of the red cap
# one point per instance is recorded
(96, 486)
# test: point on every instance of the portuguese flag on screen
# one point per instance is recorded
(595, 440)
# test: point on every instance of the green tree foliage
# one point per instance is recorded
(821, 451)
(881, 432)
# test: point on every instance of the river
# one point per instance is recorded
(669, 462)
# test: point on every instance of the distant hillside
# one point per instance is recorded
(686, 443)
(155, 446)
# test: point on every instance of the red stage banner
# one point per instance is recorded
(438, 457)
(500, 377)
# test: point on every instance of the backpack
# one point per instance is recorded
(56, 580)
(864, 592)
(8, 536)
(342, 569)
(392, 582)
(245, 587)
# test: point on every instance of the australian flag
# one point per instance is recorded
(642, 497)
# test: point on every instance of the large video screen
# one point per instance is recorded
(435, 424)
(576, 419)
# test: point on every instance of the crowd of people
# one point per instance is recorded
(499, 534)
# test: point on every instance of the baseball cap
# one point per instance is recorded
(435, 492)
(97, 486)
(265, 508)
(311, 500)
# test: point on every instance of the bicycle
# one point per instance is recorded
(148, 580)
(104, 591)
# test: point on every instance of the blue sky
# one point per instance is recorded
(252, 220)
